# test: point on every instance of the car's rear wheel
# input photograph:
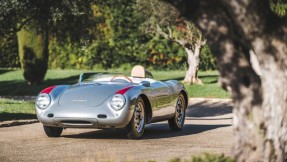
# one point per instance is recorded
(53, 131)
(137, 124)
(177, 121)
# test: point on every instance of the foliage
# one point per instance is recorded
(125, 43)
(62, 16)
(212, 158)
(104, 35)
(207, 157)
(278, 6)
(9, 52)
(162, 18)
(34, 20)
(69, 55)
(207, 60)
(163, 54)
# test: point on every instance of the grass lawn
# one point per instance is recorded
(15, 110)
(210, 87)
(12, 83)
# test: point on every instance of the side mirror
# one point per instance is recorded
(145, 83)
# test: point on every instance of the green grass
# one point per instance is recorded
(12, 82)
(210, 88)
(15, 110)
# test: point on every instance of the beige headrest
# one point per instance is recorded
(138, 71)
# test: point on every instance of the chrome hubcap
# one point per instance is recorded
(180, 110)
(139, 117)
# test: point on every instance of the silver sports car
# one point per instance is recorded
(112, 101)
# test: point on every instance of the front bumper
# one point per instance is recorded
(102, 116)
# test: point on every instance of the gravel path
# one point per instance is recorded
(207, 129)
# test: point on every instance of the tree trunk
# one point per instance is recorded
(232, 29)
(33, 52)
(191, 76)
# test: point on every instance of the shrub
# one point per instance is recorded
(9, 52)
(207, 157)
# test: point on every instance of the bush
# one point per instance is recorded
(9, 52)
(207, 60)
(207, 158)
(155, 53)
(67, 55)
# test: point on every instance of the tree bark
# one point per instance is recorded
(232, 29)
(191, 76)
(33, 51)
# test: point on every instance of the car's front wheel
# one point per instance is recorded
(137, 124)
(53, 131)
(176, 123)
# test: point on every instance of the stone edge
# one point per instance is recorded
(17, 122)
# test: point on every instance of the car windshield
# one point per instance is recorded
(90, 78)
(96, 77)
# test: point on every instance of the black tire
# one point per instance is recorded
(137, 124)
(177, 121)
(53, 131)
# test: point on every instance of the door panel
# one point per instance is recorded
(164, 109)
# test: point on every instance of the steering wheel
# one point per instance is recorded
(127, 78)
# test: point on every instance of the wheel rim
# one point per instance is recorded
(139, 117)
(180, 110)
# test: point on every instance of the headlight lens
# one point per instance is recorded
(118, 101)
(43, 101)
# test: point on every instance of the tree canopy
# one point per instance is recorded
(62, 16)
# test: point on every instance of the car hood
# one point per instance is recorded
(88, 95)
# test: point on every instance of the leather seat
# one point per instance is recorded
(138, 71)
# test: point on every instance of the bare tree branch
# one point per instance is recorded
(169, 36)
(23, 24)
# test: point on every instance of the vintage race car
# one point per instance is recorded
(112, 101)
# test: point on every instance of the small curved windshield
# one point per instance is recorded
(92, 77)
(96, 77)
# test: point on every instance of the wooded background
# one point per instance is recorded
(109, 36)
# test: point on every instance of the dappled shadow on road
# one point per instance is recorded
(209, 109)
(161, 130)
(152, 131)
(193, 118)
(156, 131)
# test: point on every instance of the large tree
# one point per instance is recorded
(33, 20)
(233, 28)
(164, 19)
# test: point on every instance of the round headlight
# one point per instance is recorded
(118, 101)
(43, 100)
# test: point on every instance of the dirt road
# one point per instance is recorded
(207, 129)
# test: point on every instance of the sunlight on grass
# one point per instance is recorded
(12, 82)
(14, 110)
(210, 87)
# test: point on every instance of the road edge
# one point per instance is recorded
(11, 123)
